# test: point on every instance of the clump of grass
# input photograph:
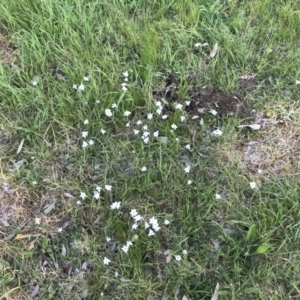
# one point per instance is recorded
(118, 192)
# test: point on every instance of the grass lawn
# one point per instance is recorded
(127, 166)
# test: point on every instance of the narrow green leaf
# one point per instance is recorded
(49, 208)
(263, 249)
(250, 233)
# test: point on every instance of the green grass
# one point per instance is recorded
(149, 39)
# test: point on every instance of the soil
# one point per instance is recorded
(204, 99)
(7, 52)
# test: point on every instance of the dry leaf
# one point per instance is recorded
(68, 195)
(20, 146)
(216, 292)
(163, 139)
(195, 117)
(214, 51)
(252, 126)
(23, 236)
(35, 291)
(168, 254)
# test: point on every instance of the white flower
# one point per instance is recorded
(129, 243)
(91, 142)
(146, 140)
(151, 232)
(37, 221)
(87, 78)
(85, 122)
(59, 229)
(133, 212)
(297, 81)
(125, 248)
(84, 134)
(213, 112)
(218, 197)
(115, 205)
(108, 187)
(159, 111)
(150, 116)
(108, 112)
(137, 218)
(178, 257)
(116, 274)
(84, 144)
(134, 226)
(127, 113)
(145, 134)
(164, 117)
(182, 118)
(158, 104)
(96, 195)
(106, 261)
(153, 221)
(102, 131)
(155, 134)
(126, 79)
(98, 188)
(187, 103)
(166, 222)
(187, 169)
(184, 252)
(147, 225)
(217, 133)
(108, 239)
(136, 132)
(177, 139)
(34, 182)
(139, 122)
(259, 171)
(114, 105)
(128, 124)
(144, 169)
(145, 127)
(75, 86)
(174, 126)
(125, 74)
(188, 146)
(253, 185)
(78, 202)
(81, 87)
(97, 101)
(189, 182)
(156, 228)
(82, 195)
(197, 45)
(124, 88)
(178, 106)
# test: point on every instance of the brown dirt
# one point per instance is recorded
(203, 99)
(8, 52)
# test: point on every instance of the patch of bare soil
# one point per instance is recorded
(8, 52)
(276, 150)
(203, 99)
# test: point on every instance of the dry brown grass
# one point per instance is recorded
(276, 150)
(8, 53)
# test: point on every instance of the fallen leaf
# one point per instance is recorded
(216, 292)
(63, 250)
(163, 139)
(195, 117)
(20, 146)
(168, 254)
(252, 126)
(49, 208)
(35, 292)
(61, 77)
(68, 195)
(23, 236)
(214, 51)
